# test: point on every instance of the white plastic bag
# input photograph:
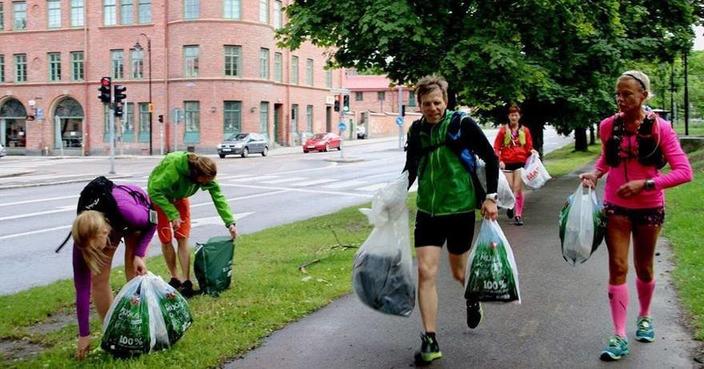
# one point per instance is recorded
(382, 273)
(505, 199)
(582, 225)
(534, 174)
(492, 274)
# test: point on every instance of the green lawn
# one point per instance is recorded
(566, 160)
(695, 128)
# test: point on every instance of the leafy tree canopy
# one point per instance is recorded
(557, 58)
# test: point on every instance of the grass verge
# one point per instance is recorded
(566, 160)
(683, 228)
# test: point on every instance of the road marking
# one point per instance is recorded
(373, 187)
(283, 189)
(233, 177)
(217, 220)
(314, 182)
(346, 184)
(284, 180)
(39, 200)
(252, 178)
(60, 209)
(34, 232)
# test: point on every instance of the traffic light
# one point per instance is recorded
(104, 89)
(346, 103)
(161, 118)
(337, 103)
(119, 96)
(403, 110)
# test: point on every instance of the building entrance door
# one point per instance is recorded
(13, 127)
(68, 127)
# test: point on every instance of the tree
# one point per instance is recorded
(558, 59)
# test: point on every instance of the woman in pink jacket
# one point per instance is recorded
(636, 144)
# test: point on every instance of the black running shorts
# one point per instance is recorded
(456, 229)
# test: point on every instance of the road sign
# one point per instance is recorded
(40, 113)
(342, 126)
(176, 115)
(399, 121)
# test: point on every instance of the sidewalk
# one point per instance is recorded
(563, 321)
(28, 171)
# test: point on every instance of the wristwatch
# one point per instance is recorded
(492, 197)
(649, 184)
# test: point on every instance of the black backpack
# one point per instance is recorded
(97, 195)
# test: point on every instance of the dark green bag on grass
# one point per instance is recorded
(213, 264)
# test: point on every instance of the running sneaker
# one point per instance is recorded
(175, 283)
(509, 213)
(616, 348)
(518, 220)
(644, 330)
(187, 289)
(429, 350)
(474, 313)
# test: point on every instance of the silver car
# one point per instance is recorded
(244, 144)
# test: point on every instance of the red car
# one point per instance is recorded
(322, 142)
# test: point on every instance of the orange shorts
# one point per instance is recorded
(163, 226)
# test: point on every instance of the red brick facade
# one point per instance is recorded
(82, 130)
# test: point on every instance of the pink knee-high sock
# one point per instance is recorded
(645, 294)
(519, 204)
(618, 299)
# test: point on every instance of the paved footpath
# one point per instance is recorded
(563, 320)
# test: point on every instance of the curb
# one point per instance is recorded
(75, 180)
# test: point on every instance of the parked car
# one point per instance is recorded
(322, 142)
(244, 144)
(361, 132)
(3, 152)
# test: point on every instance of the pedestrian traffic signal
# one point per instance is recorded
(161, 118)
(337, 103)
(105, 87)
(403, 110)
(346, 103)
(119, 97)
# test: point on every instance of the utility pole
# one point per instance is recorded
(400, 115)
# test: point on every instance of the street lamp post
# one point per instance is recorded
(137, 46)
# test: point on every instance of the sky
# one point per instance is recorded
(699, 40)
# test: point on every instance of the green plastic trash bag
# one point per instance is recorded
(129, 328)
(492, 274)
(174, 310)
(582, 225)
(213, 264)
(382, 274)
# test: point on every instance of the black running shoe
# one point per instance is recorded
(518, 221)
(187, 289)
(509, 213)
(175, 283)
(429, 350)
(474, 313)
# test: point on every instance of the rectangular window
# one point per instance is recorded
(2, 17)
(264, 63)
(411, 98)
(137, 59)
(128, 123)
(144, 11)
(232, 119)
(126, 12)
(233, 60)
(381, 96)
(2, 68)
(264, 118)
(309, 72)
(118, 64)
(278, 67)
(54, 66)
(191, 9)
(309, 118)
(54, 13)
(143, 121)
(232, 9)
(278, 23)
(20, 15)
(20, 67)
(190, 61)
(294, 70)
(77, 71)
(109, 13)
(77, 13)
(264, 11)
(328, 78)
(359, 96)
(192, 114)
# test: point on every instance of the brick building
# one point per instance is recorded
(214, 64)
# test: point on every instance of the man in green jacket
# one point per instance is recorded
(446, 201)
(178, 176)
